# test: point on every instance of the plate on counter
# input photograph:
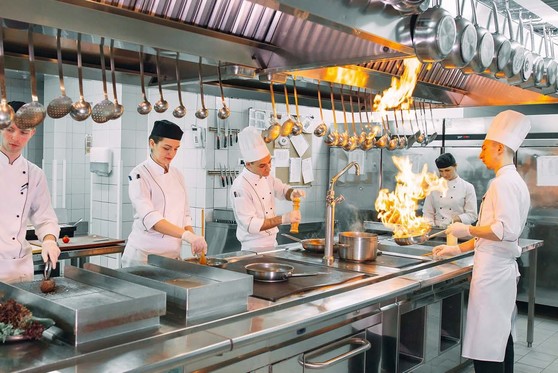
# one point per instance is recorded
(45, 322)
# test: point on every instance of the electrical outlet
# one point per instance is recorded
(241, 162)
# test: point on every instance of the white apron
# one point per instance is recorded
(167, 195)
(491, 309)
(17, 270)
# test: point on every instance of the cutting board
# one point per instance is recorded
(84, 242)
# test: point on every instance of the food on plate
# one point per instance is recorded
(17, 320)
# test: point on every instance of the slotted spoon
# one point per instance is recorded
(61, 105)
(118, 109)
(104, 110)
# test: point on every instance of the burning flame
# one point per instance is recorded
(397, 209)
(400, 94)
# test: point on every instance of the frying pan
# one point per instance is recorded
(314, 245)
(211, 262)
(274, 272)
(415, 240)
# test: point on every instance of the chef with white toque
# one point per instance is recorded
(489, 333)
(253, 195)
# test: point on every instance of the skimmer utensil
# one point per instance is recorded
(7, 113)
(162, 105)
(202, 112)
(61, 105)
(275, 128)
(180, 110)
(104, 110)
(321, 128)
(144, 107)
(118, 108)
(81, 110)
(287, 126)
(32, 114)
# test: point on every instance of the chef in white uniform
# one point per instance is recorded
(460, 201)
(25, 198)
(253, 194)
(157, 190)
(503, 213)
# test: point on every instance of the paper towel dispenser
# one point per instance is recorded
(100, 161)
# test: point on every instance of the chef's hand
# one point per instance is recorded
(197, 242)
(446, 250)
(50, 250)
(291, 217)
(459, 230)
(297, 193)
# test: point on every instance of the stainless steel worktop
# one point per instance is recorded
(263, 324)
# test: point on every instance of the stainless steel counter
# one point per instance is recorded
(265, 324)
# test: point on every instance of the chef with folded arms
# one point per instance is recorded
(460, 201)
(489, 333)
(157, 190)
(253, 195)
(25, 198)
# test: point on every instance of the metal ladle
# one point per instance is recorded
(287, 126)
(118, 109)
(223, 112)
(7, 113)
(333, 136)
(321, 128)
(33, 113)
(343, 137)
(144, 107)
(352, 144)
(275, 128)
(297, 126)
(162, 105)
(81, 110)
(180, 110)
(60, 106)
(433, 136)
(104, 110)
(202, 112)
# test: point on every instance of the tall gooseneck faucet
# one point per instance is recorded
(331, 201)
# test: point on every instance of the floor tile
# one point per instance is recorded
(537, 359)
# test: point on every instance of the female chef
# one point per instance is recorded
(253, 194)
(25, 197)
(488, 339)
(460, 201)
(158, 193)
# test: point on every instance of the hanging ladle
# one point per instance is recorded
(344, 137)
(144, 107)
(297, 126)
(7, 113)
(275, 128)
(81, 110)
(31, 114)
(202, 112)
(180, 110)
(321, 128)
(118, 109)
(333, 136)
(433, 136)
(352, 143)
(162, 105)
(287, 126)
(104, 110)
(223, 112)
(60, 106)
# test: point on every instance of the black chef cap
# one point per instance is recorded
(168, 129)
(445, 160)
(16, 105)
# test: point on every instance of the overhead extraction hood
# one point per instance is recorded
(357, 43)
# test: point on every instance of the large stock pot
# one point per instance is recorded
(358, 246)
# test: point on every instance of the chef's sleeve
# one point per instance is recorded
(507, 225)
(280, 189)
(470, 210)
(245, 211)
(41, 213)
(140, 196)
(428, 209)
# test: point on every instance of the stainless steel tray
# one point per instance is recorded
(198, 292)
(88, 306)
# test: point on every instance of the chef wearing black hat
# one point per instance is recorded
(25, 199)
(460, 201)
(157, 190)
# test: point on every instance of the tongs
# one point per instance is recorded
(48, 270)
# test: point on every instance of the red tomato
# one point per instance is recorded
(65, 239)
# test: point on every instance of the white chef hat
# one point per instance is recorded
(252, 145)
(509, 128)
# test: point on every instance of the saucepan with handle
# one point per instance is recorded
(315, 245)
(416, 240)
(274, 272)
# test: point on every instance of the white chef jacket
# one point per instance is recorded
(155, 195)
(493, 291)
(25, 198)
(253, 199)
(460, 199)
